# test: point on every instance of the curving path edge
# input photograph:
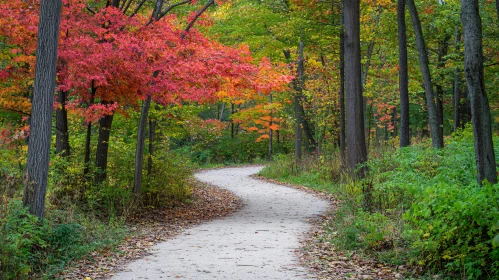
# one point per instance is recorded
(257, 242)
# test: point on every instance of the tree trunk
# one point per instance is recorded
(405, 139)
(394, 122)
(139, 150)
(232, 122)
(86, 168)
(436, 138)
(152, 134)
(270, 130)
(442, 53)
(457, 86)
(356, 143)
(88, 138)
(298, 108)
(306, 128)
(103, 147)
(480, 111)
(35, 181)
(62, 147)
(457, 98)
(440, 111)
(342, 89)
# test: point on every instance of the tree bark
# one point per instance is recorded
(103, 148)
(298, 108)
(86, 168)
(270, 130)
(139, 151)
(152, 136)
(355, 137)
(405, 139)
(457, 85)
(436, 138)
(306, 128)
(62, 147)
(480, 111)
(442, 52)
(457, 99)
(342, 88)
(88, 138)
(35, 181)
(232, 122)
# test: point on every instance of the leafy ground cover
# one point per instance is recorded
(423, 209)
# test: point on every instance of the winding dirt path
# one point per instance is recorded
(257, 242)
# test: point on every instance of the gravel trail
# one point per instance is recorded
(257, 242)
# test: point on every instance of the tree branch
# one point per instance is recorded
(90, 10)
(168, 9)
(137, 8)
(198, 14)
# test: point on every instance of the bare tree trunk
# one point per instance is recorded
(86, 168)
(62, 147)
(232, 122)
(436, 138)
(35, 181)
(356, 143)
(405, 139)
(342, 88)
(480, 111)
(152, 136)
(103, 148)
(457, 86)
(139, 151)
(222, 111)
(457, 98)
(394, 121)
(442, 53)
(298, 109)
(270, 130)
(88, 138)
(306, 128)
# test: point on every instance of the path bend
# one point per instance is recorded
(257, 242)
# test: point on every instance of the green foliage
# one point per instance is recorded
(243, 148)
(30, 248)
(20, 232)
(452, 228)
(425, 207)
(160, 192)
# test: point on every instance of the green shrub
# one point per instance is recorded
(452, 228)
(168, 182)
(425, 206)
(20, 235)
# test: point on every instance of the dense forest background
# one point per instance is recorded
(392, 106)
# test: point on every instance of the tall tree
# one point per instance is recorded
(105, 124)
(436, 137)
(298, 109)
(42, 107)
(480, 111)
(355, 137)
(457, 85)
(62, 147)
(403, 76)
(342, 86)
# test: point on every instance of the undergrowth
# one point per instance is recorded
(424, 208)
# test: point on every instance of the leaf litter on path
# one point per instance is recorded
(151, 227)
